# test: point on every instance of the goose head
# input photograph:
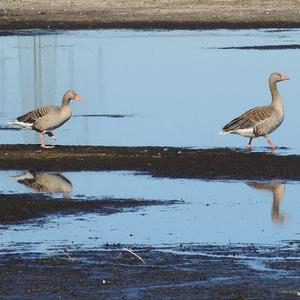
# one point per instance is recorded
(276, 77)
(71, 95)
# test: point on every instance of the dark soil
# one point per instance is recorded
(191, 272)
(17, 208)
(109, 272)
(265, 47)
(158, 161)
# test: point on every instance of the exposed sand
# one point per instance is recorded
(148, 14)
(109, 273)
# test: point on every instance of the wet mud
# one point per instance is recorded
(230, 271)
(183, 272)
(264, 47)
(17, 208)
(113, 116)
(111, 272)
(219, 163)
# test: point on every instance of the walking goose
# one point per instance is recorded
(47, 118)
(45, 182)
(277, 189)
(261, 120)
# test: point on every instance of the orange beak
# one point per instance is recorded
(285, 78)
(77, 98)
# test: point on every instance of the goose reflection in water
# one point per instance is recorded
(45, 182)
(277, 189)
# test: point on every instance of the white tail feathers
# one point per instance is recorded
(224, 132)
(27, 175)
(22, 124)
(247, 132)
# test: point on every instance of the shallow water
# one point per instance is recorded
(174, 88)
(210, 212)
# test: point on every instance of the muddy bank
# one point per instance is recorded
(145, 14)
(16, 208)
(158, 161)
(214, 272)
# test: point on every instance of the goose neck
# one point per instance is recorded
(276, 100)
(65, 102)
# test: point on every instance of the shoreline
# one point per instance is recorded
(238, 271)
(148, 14)
(233, 271)
(145, 25)
(171, 162)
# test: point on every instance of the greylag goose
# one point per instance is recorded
(44, 182)
(47, 118)
(277, 189)
(261, 120)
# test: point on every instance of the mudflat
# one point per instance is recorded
(218, 163)
(18, 208)
(188, 14)
(184, 272)
(231, 271)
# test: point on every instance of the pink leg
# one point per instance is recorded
(248, 147)
(270, 143)
(42, 140)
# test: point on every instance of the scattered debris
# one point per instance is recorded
(134, 254)
(68, 255)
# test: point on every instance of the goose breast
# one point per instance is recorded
(53, 119)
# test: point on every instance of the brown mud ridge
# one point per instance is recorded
(148, 14)
(219, 163)
(185, 272)
(16, 208)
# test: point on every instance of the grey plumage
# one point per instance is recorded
(261, 120)
(45, 182)
(277, 189)
(47, 118)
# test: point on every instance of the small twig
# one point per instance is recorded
(68, 255)
(134, 254)
(255, 250)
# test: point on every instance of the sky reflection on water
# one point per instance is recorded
(211, 212)
(177, 88)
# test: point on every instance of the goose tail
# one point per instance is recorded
(22, 124)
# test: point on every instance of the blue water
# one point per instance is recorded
(175, 88)
(162, 88)
(214, 212)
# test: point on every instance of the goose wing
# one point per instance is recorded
(264, 186)
(250, 119)
(32, 116)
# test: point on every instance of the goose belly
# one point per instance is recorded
(275, 125)
(268, 127)
(51, 122)
(58, 124)
(247, 132)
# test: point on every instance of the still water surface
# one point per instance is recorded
(210, 212)
(175, 88)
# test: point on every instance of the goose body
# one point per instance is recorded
(261, 120)
(47, 118)
(45, 182)
(277, 189)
